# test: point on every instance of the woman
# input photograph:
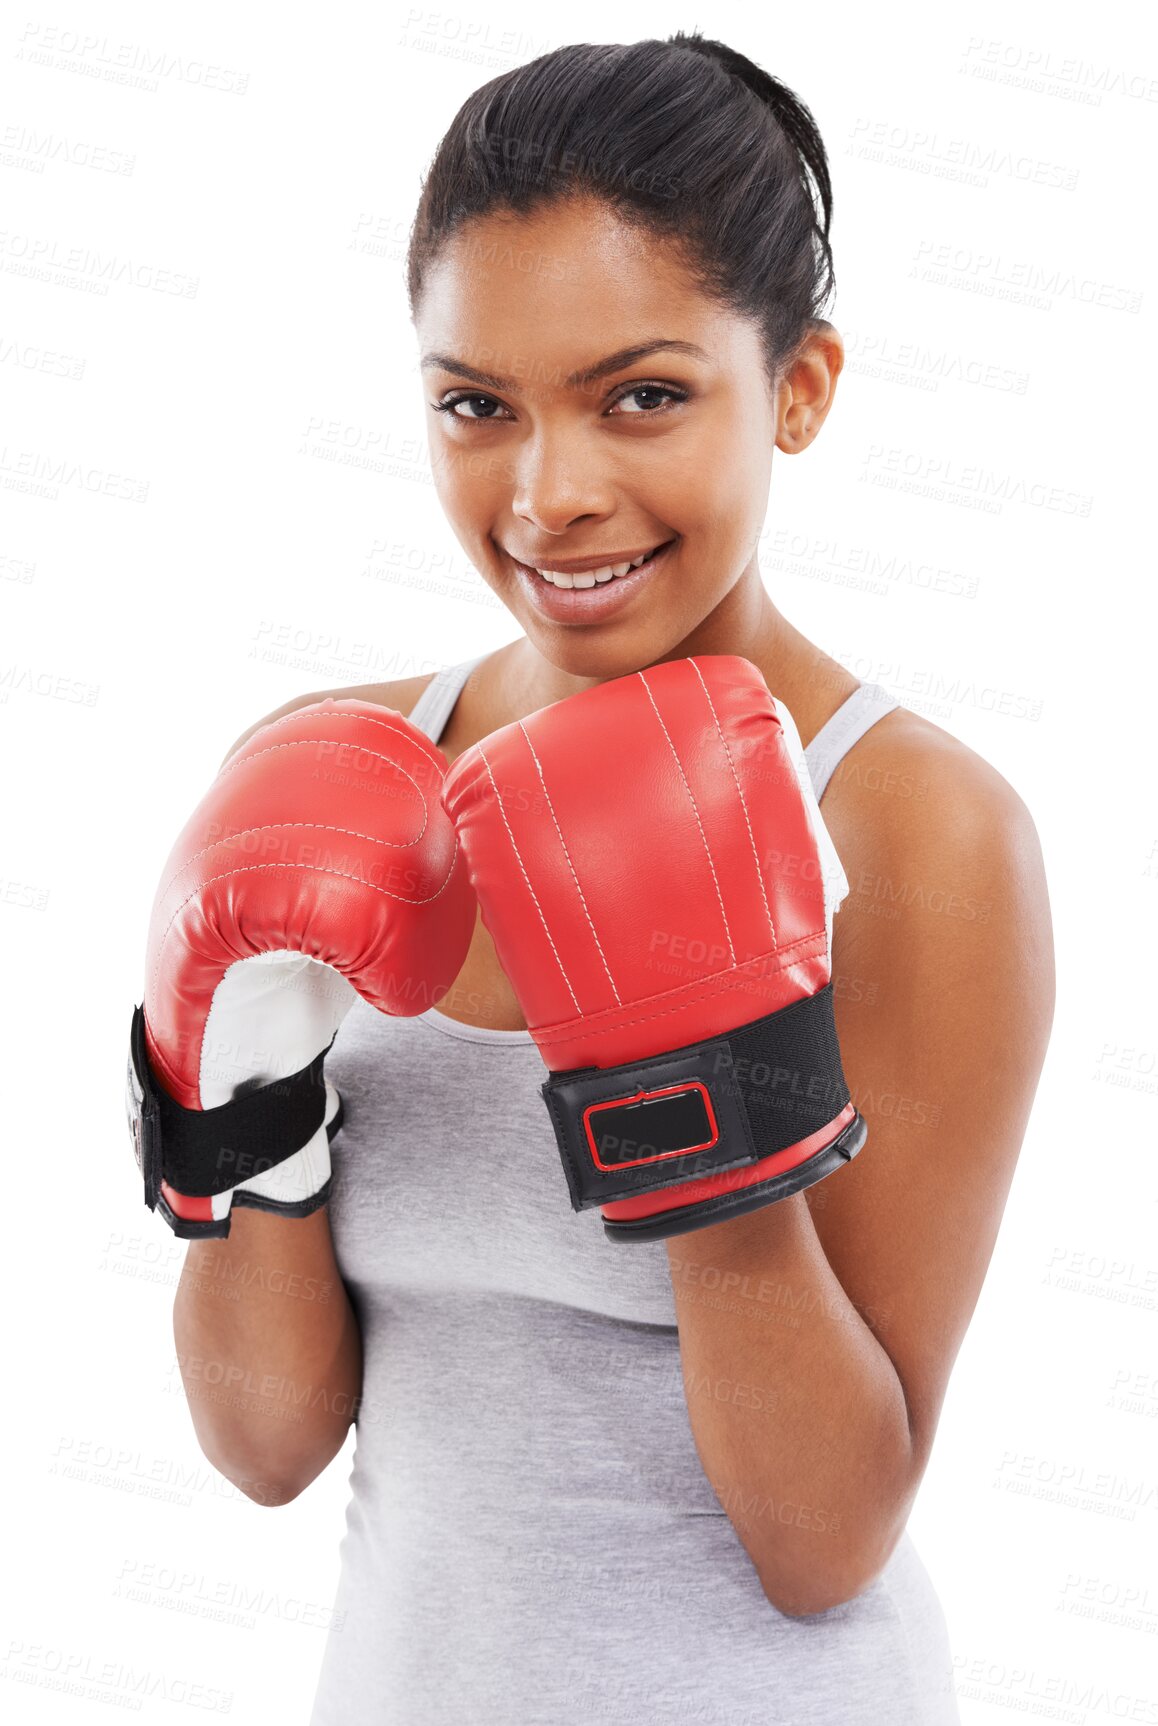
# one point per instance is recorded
(667, 1481)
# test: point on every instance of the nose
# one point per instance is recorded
(557, 483)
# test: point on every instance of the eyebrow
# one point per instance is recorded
(587, 374)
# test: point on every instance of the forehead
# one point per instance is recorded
(567, 282)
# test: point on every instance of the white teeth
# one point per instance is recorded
(590, 577)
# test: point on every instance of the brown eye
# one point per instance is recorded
(650, 390)
(452, 402)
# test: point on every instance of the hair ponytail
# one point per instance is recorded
(790, 112)
(668, 133)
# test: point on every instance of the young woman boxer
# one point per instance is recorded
(663, 1478)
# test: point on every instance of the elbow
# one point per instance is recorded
(824, 1591)
(270, 1493)
(825, 1588)
(257, 1482)
(813, 1600)
(277, 1471)
(859, 1555)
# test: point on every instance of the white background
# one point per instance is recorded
(990, 456)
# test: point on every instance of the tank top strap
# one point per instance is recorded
(433, 707)
(867, 703)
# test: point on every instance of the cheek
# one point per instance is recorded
(710, 483)
(719, 511)
(467, 481)
(741, 495)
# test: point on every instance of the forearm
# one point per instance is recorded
(269, 1351)
(797, 1412)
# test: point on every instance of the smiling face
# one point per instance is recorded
(557, 442)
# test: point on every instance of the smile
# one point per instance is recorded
(595, 577)
(590, 595)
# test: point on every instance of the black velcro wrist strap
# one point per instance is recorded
(719, 1104)
(202, 1152)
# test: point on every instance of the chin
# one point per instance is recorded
(602, 655)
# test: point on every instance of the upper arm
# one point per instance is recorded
(944, 990)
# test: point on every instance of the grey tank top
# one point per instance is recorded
(530, 1537)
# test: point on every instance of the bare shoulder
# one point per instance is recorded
(400, 695)
(909, 789)
(941, 852)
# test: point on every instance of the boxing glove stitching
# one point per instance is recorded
(695, 811)
(420, 742)
(551, 1034)
(743, 803)
(526, 878)
(231, 874)
(318, 826)
(571, 866)
(297, 743)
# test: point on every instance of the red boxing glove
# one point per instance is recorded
(319, 863)
(652, 866)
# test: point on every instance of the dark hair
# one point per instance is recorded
(685, 138)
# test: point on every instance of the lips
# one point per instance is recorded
(597, 600)
(594, 575)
